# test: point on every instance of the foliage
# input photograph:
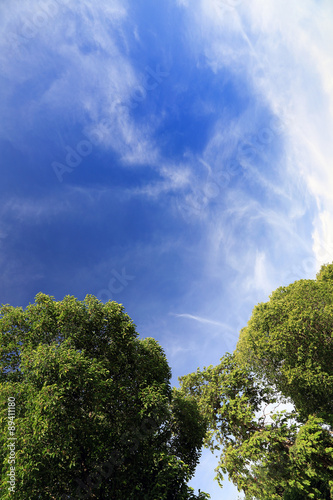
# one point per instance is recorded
(289, 341)
(95, 414)
(284, 355)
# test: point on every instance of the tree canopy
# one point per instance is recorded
(283, 359)
(95, 415)
(288, 340)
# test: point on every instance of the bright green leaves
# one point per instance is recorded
(325, 273)
(313, 448)
(284, 354)
(231, 399)
(264, 452)
(289, 341)
(96, 416)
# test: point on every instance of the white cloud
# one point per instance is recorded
(80, 44)
(200, 319)
(323, 238)
(284, 52)
(261, 278)
(301, 36)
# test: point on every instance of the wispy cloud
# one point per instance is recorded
(201, 320)
(282, 53)
(83, 47)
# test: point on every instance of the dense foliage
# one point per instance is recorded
(95, 416)
(284, 355)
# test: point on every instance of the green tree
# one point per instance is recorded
(289, 341)
(95, 416)
(284, 355)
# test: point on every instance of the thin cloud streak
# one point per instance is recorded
(201, 320)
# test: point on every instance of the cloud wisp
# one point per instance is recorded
(200, 319)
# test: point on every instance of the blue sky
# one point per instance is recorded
(173, 156)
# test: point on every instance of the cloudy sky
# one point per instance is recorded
(173, 156)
